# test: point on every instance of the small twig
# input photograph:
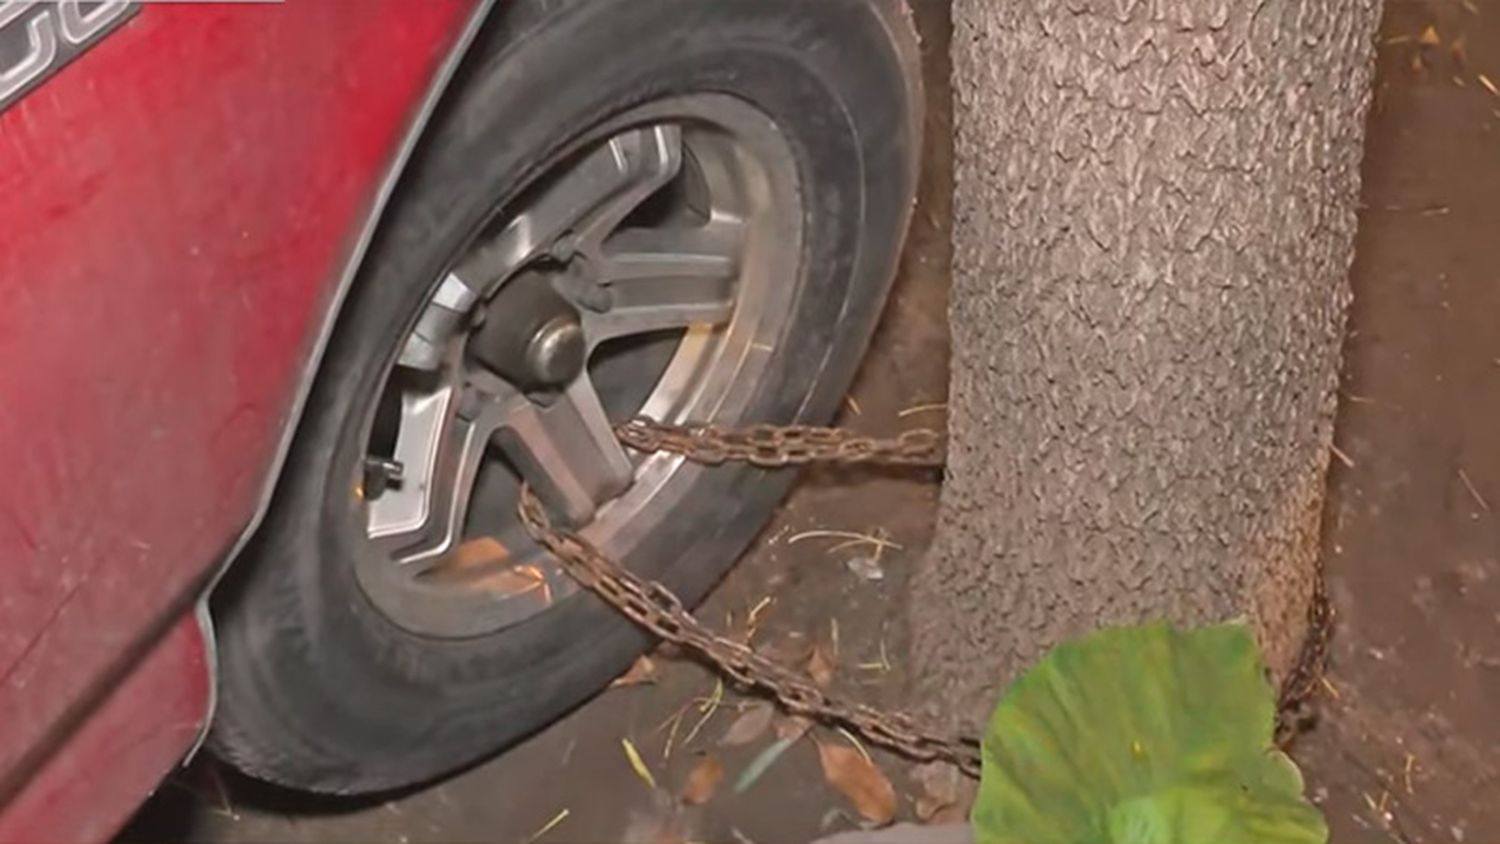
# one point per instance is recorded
(708, 709)
(1469, 485)
(666, 750)
(1343, 458)
(856, 538)
(857, 746)
(1424, 211)
(922, 408)
(1328, 686)
(755, 612)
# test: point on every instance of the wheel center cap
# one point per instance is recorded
(555, 355)
(531, 336)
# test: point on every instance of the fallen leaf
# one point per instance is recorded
(950, 815)
(792, 727)
(866, 567)
(927, 807)
(476, 552)
(641, 671)
(661, 821)
(860, 780)
(820, 667)
(1429, 37)
(637, 763)
(751, 724)
(1459, 49)
(790, 649)
(939, 782)
(760, 764)
(703, 781)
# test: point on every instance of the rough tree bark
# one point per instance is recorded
(1154, 221)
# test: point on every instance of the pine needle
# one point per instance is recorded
(550, 825)
(857, 538)
(708, 709)
(637, 763)
(922, 408)
(852, 739)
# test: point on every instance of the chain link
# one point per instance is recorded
(655, 608)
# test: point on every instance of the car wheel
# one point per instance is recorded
(685, 210)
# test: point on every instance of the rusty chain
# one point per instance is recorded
(780, 446)
(654, 607)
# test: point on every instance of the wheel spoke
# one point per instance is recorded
(646, 161)
(440, 446)
(667, 278)
(567, 451)
(703, 252)
(661, 304)
(588, 201)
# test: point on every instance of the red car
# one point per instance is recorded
(295, 296)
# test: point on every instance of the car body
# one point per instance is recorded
(185, 193)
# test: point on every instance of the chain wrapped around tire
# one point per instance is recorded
(652, 606)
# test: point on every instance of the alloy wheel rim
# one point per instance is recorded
(667, 245)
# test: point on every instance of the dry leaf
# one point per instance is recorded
(476, 552)
(703, 781)
(927, 807)
(820, 667)
(792, 727)
(860, 780)
(760, 764)
(641, 671)
(955, 814)
(866, 567)
(939, 782)
(1429, 37)
(751, 724)
(1460, 52)
(661, 821)
(790, 649)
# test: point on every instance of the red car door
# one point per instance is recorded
(183, 194)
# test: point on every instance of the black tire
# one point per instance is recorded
(318, 690)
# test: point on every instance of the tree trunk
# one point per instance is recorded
(1154, 221)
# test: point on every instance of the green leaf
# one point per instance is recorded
(1143, 735)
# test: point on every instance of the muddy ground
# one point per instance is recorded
(1405, 746)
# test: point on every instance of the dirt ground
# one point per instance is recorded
(1406, 751)
(1403, 749)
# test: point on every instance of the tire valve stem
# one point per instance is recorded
(381, 474)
